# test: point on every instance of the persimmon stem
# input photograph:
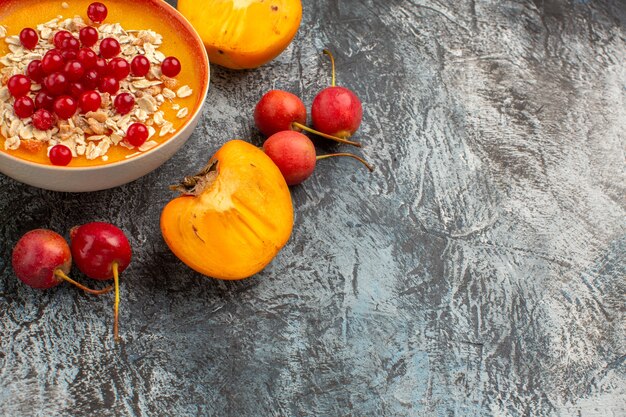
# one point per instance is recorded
(332, 63)
(361, 160)
(116, 305)
(64, 277)
(324, 135)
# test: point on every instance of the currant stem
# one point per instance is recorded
(361, 160)
(324, 135)
(63, 276)
(116, 305)
(332, 63)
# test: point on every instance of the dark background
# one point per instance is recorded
(478, 271)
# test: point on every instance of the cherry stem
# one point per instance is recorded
(332, 63)
(324, 135)
(60, 274)
(361, 160)
(116, 305)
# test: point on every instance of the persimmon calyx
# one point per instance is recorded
(195, 184)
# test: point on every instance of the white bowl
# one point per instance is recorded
(101, 177)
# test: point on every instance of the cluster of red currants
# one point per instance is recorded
(42, 258)
(336, 113)
(73, 77)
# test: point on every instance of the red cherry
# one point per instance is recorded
(91, 79)
(43, 119)
(24, 107)
(51, 62)
(119, 68)
(65, 107)
(109, 47)
(76, 90)
(71, 44)
(90, 101)
(88, 36)
(59, 37)
(60, 155)
(40, 258)
(69, 55)
(293, 153)
(56, 83)
(97, 12)
(34, 71)
(74, 70)
(87, 57)
(140, 66)
(336, 111)
(137, 134)
(29, 38)
(109, 85)
(102, 67)
(43, 100)
(170, 66)
(19, 85)
(279, 110)
(101, 251)
(124, 103)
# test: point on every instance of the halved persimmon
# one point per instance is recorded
(233, 217)
(243, 34)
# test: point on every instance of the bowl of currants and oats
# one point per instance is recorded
(95, 95)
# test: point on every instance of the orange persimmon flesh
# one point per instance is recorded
(233, 218)
(243, 34)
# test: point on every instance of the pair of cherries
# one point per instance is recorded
(42, 258)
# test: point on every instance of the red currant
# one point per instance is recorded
(119, 68)
(74, 70)
(97, 12)
(109, 85)
(34, 71)
(87, 57)
(91, 79)
(76, 90)
(51, 62)
(65, 107)
(56, 83)
(109, 47)
(43, 119)
(88, 36)
(19, 85)
(170, 67)
(137, 134)
(24, 107)
(102, 67)
(140, 66)
(60, 155)
(29, 38)
(59, 37)
(44, 100)
(70, 44)
(90, 101)
(124, 103)
(69, 55)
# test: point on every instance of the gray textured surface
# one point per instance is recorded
(479, 271)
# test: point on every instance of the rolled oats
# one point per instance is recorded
(182, 113)
(147, 146)
(184, 91)
(169, 94)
